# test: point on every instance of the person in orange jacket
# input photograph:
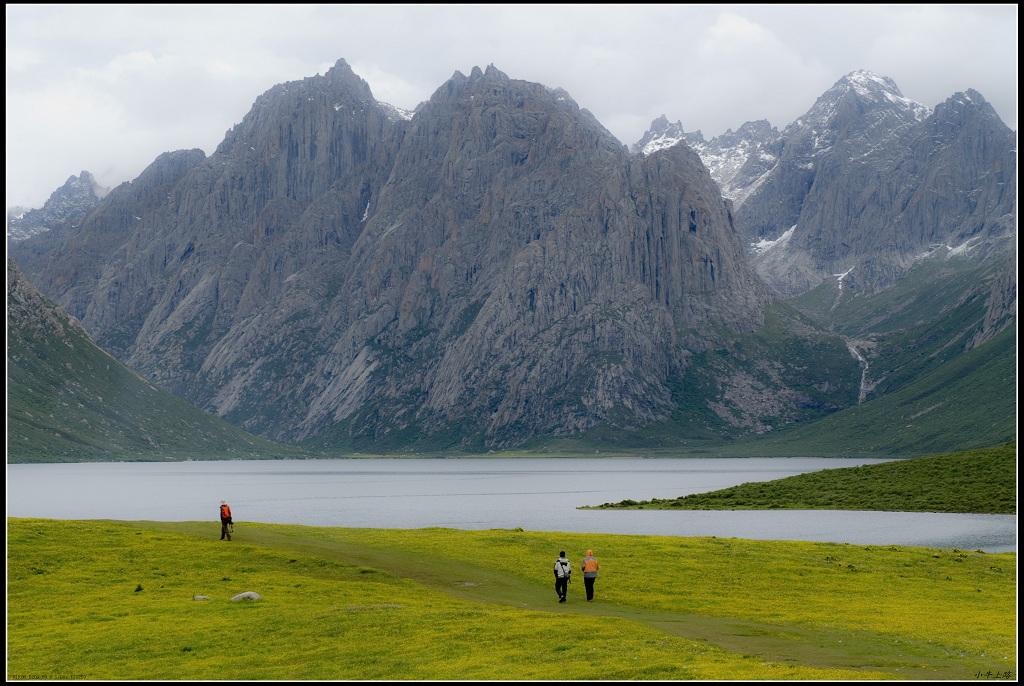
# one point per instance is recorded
(225, 521)
(589, 574)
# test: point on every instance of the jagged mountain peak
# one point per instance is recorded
(864, 182)
(868, 82)
(750, 129)
(484, 82)
(72, 201)
(865, 85)
(964, 102)
(663, 134)
(341, 65)
(84, 185)
(338, 87)
(491, 72)
(492, 88)
(341, 76)
(662, 125)
(735, 159)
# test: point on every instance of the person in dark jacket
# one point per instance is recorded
(589, 567)
(225, 521)
(563, 569)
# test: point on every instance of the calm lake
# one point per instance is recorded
(536, 494)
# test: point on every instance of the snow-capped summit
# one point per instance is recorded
(862, 145)
(735, 159)
(862, 183)
(664, 134)
(856, 93)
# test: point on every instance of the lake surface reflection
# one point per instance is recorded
(536, 494)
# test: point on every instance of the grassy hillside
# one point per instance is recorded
(969, 402)
(929, 390)
(945, 295)
(983, 481)
(69, 401)
(115, 601)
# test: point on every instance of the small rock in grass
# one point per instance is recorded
(248, 595)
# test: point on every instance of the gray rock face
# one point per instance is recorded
(69, 262)
(493, 268)
(867, 182)
(29, 314)
(72, 201)
(874, 207)
(1001, 304)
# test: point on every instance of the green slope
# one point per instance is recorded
(69, 401)
(969, 402)
(980, 481)
(928, 389)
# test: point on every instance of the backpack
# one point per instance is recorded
(566, 569)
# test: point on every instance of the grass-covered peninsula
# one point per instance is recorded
(100, 600)
(981, 481)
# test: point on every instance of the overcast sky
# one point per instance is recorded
(107, 88)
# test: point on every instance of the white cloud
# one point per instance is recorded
(108, 88)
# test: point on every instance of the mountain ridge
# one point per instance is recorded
(860, 185)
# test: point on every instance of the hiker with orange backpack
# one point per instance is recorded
(226, 524)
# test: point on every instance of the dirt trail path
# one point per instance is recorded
(837, 649)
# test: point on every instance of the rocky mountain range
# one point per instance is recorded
(497, 267)
(864, 184)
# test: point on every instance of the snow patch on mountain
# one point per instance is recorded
(840, 277)
(764, 245)
(395, 113)
(737, 160)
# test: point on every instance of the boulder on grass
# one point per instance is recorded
(248, 595)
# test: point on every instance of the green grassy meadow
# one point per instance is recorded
(980, 481)
(102, 600)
